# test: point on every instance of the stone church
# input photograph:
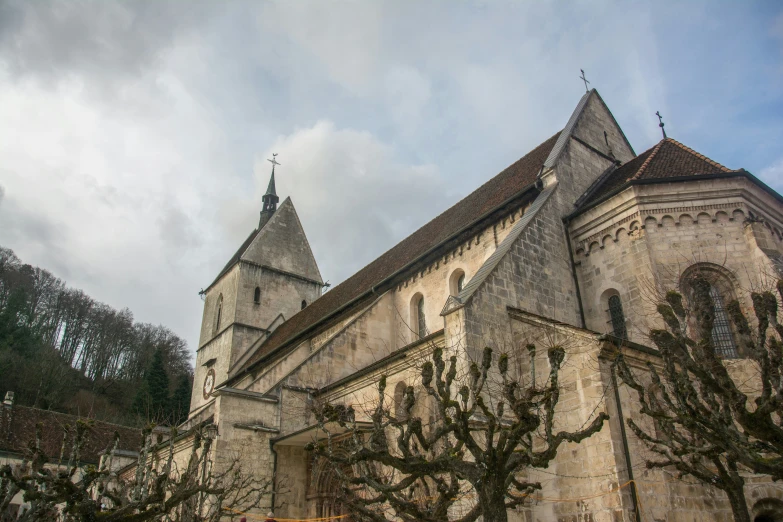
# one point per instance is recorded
(567, 241)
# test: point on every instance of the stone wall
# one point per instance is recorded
(638, 243)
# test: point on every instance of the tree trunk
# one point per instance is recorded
(493, 503)
(739, 506)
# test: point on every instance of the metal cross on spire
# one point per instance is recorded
(273, 161)
(660, 123)
(584, 80)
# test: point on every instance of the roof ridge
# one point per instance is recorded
(647, 161)
(698, 155)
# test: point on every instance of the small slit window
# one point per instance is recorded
(421, 319)
(219, 312)
(257, 295)
(304, 304)
(617, 317)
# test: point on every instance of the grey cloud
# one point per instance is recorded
(110, 41)
(177, 231)
(25, 230)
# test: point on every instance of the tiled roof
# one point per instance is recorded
(17, 432)
(510, 182)
(668, 159)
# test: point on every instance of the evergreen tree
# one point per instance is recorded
(158, 386)
(180, 401)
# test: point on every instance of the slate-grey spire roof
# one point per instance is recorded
(270, 190)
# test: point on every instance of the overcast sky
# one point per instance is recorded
(133, 135)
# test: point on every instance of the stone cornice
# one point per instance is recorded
(632, 212)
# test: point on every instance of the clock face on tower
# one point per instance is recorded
(209, 383)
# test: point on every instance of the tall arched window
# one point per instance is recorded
(617, 317)
(418, 323)
(461, 283)
(219, 312)
(257, 295)
(721, 291)
(722, 338)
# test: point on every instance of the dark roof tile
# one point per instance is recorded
(667, 159)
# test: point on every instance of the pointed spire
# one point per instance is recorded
(270, 190)
(270, 198)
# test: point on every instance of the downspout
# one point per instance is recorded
(573, 273)
(624, 437)
(272, 449)
(274, 472)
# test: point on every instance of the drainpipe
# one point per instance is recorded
(573, 273)
(624, 437)
(274, 472)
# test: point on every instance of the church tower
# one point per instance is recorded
(270, 278)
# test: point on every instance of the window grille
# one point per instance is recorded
(722, 338)
(617, 317)
(420, 314)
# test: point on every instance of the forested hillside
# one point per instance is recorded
(62, 350)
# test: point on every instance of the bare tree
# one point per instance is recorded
(158, 490)
(479, 443)
(705, 425)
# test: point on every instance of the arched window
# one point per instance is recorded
(722, 338)
(399, 396)
(617, 318)
(418, 321)
(257, 295)
(219, 312)
(457, 282)
(721, 292)
(304, 304)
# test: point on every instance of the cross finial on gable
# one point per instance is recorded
(660, 123)
(584, 79)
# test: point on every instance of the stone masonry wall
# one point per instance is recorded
(638, 244)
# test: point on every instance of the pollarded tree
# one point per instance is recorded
(158, 491)
(479, 443)
(705, 425)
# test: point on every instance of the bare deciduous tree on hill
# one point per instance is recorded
(705, 425)
(479, 442)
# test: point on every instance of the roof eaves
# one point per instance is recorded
(677, 179)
